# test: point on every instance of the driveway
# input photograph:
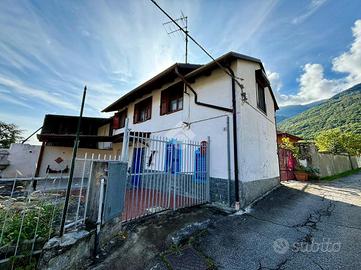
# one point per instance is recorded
(298, 226)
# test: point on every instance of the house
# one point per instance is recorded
(197, 101)
(19, 160)
(292, 138)
(229, 101)
(286, 158)
(57, 137)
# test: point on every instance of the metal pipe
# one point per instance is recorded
(196, 96)
(235, 140)
(32, 134)
(75, 150)
(229, 163)
(99, 219)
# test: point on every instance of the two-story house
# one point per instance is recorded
(231, 101)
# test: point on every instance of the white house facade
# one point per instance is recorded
(193, 102)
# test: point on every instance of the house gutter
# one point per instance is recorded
(196, 96)
(235, 140)
(234, 124)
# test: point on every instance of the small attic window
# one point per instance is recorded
(261, 83)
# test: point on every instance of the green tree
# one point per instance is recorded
(336, 141)
(9, 133)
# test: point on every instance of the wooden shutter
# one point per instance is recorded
(135, 114)
(116, 121)
(122, 117)
(149, 109)
(164, 103)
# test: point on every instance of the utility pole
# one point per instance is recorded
(71, 173)
(184, 21)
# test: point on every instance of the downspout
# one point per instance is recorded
(234, 124)
(235, 141)
(196, 96)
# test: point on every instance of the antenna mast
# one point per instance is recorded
(184, 21)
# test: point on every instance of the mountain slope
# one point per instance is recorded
(342, 110)
(289, 111)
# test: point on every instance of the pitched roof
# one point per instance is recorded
(166, 76)
(190, 71)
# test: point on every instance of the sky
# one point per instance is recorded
(49, 50)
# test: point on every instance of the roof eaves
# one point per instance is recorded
(158, 76)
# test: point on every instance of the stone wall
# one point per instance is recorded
(328, 164)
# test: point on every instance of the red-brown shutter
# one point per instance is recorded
(149, 109)
(122, 117)
(116, 121)
(135, 114)
(164, 103)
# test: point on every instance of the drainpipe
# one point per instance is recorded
(234, 124)
(196, 96)
(235, 141)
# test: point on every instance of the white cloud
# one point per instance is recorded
(311, 8)
(350, 61)
(313, 85)
(275, 80)
(22, 89)
(10, 99)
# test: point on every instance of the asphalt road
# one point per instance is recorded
(298, 226)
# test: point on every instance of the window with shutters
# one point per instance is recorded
(172, 100)
(142, 110)
(261, 100)
(119, 119)
(261, 83)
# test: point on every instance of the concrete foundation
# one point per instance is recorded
(250, 191)
(223, 192)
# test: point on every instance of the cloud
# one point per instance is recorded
(350, 61)
(15, 101)
(312, 8)
(275, 80)
(313, 85)
(22, 89)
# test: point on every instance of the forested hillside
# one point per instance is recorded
(342, 110)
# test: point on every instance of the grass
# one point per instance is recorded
(344, 174)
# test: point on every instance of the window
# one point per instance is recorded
(261, 101)
(119, 119)
(172, 100)
(261, 83)
(143, 111)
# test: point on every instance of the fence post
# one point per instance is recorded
(175, 175)
(124, 155)
(208, 168)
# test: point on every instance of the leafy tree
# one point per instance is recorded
(9, 133)
(336, 141)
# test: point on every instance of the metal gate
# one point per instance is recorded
(164, 174)
(287, 164)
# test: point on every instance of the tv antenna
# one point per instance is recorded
(171, 29)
